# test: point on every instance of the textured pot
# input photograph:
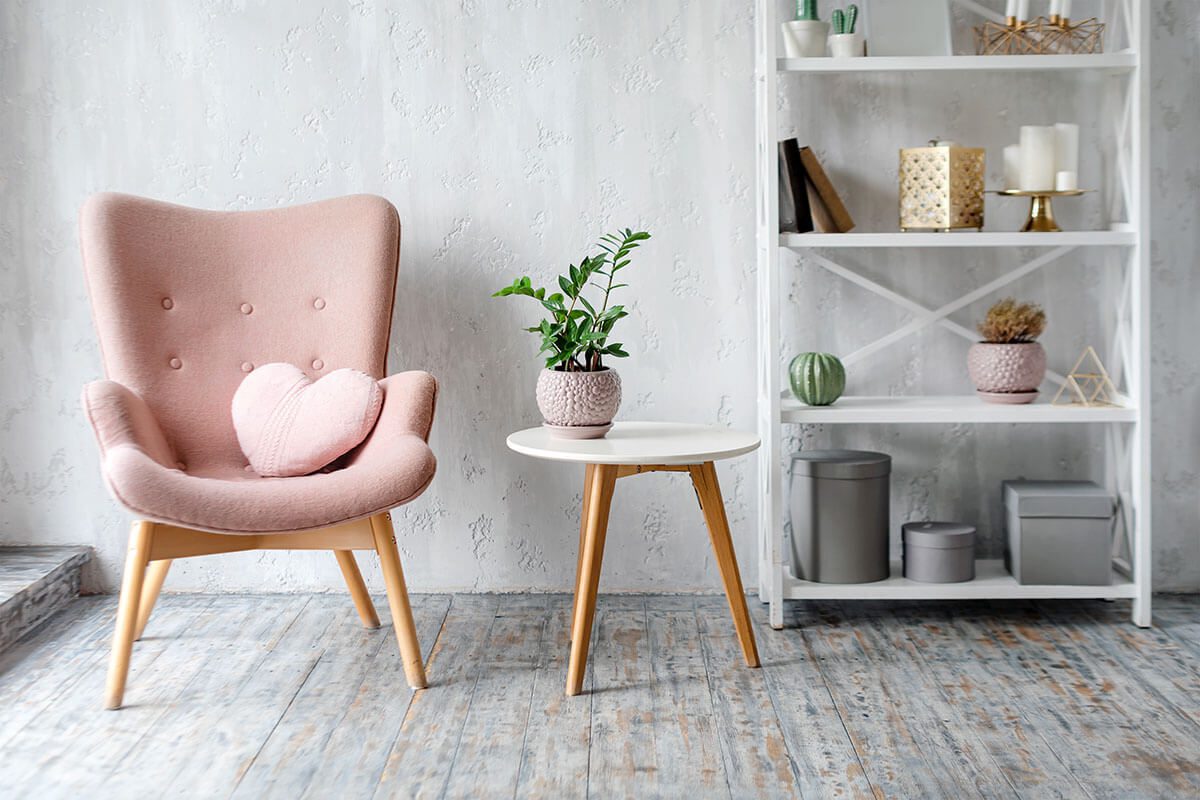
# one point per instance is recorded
(579, 399)
(804, 38)
(1006, 368)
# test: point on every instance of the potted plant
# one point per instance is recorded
(1009, 364)
(804, 37)
(845, 42)
(576, 393)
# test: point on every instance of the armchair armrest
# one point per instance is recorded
(120, 418)
(409, 401)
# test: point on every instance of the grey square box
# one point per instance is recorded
(1058, 532)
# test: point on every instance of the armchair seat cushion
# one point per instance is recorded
(390, 468)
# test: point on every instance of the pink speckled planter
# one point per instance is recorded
(579, 399)
(1006, 369)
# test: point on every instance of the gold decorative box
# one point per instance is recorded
(941, 187)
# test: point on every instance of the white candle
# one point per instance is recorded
(1022, 10)
(1066, 147)
(1010, 9)
(1055, 8)
(1037, 157)
(1012, 166)
(1064, 9)
(1066, 181)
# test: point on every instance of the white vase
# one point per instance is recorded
(846, 45)
(804, 38)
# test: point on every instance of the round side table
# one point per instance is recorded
(633, 448)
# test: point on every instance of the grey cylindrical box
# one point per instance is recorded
(839, 505)
(939, 552)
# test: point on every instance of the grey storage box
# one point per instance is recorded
(939, 552)
(1058, 532)
(839, 508)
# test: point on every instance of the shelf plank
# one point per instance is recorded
(991, 582)
(1098, 62)
(944, 410)
(804, 241)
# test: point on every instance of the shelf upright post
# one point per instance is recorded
(770, 462)
(1139, 126)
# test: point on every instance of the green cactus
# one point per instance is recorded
(843, 21)
(807, 9)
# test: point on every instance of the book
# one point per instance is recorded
(822, 220)
(794, 213)
(839, 216)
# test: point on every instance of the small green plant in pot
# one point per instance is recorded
(1009, 364)
(577, 394)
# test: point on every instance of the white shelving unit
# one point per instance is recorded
(1127, 428)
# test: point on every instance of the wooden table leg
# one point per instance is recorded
(704, 477)
(588, 473)
(603, 479)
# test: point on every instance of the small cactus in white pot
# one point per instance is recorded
(845, 41)
(804, 37)
(1009, 364)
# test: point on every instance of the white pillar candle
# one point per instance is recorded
(1012, 166)
(1037, 157)
(1055, 8)
(1064, 9)
(1066, 181)
(1010, 9)
(1066, 147)
(1022, 10)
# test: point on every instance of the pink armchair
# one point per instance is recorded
(187, 302)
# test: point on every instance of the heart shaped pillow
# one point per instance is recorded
(290, 425)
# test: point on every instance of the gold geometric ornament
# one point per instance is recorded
(1089, 385)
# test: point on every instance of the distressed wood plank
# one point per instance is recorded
(357, 750)
(687, 752)
(559, 727)
(621, 755)
(418, 765)
(825, 761)
(487, 763)
(997, 717)
(1177, 616)
(753, 748)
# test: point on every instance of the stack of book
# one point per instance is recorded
(807, 200)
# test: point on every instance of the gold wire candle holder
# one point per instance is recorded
(1041, 36)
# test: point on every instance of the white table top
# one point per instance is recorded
(635, 443)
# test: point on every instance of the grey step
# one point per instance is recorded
(35, 582)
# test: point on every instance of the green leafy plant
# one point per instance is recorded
(575, 336)
(1010, 322)
(807, 9)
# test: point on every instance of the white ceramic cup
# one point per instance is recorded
(804, 38)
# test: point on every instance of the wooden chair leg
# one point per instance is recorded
(402, 618)
(603, 481)
(358, 589)
(136, 558)
(156, 573)
(704, 477)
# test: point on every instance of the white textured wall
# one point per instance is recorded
(509, 135)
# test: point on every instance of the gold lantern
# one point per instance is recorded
(941, 187)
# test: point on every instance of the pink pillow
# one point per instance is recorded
(289, 425)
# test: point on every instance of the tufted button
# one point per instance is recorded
(318, 304)
(318, 364)
(182, 467)
(247, 366)
(247, 308)
(175, 363)
(168, 303)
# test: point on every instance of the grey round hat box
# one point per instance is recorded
(939, 552)
(839, 512)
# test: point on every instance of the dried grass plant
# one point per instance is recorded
(1010, 322)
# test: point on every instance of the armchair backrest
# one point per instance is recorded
(187, 302)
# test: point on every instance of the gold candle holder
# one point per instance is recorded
(1041, 212)
(1040, 36)
(941, 187)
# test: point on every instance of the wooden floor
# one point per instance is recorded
(287, 696)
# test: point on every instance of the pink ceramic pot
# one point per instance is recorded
(1006, 369)
(579, 400)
